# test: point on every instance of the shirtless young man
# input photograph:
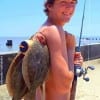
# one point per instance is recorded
(61, 46)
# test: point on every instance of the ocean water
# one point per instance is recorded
(15, 43)
(17, 40)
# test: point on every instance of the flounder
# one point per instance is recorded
(28, 71)
(14, 79)
(35, 66)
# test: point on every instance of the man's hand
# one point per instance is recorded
(78, 59)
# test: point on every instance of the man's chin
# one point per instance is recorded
(66, 21)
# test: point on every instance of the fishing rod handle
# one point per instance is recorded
(78, 70)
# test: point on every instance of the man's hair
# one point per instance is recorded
(51, 2)
(45, 5)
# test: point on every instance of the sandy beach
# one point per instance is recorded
(90, 90)
(85, 90)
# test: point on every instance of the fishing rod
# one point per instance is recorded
(79, 71)
(79, 46)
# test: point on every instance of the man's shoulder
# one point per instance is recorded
(70, 38)
(69, 34)
(48, 30)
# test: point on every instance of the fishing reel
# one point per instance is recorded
(79, 71)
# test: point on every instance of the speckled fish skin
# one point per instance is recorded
(35, 66)
(14, 79)
(28, 71)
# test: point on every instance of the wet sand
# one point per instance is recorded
(85, 90)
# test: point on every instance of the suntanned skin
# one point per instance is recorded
(62, 48)
(59, 81)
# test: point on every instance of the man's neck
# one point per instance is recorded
(54, 22)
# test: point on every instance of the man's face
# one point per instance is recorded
(62, 10)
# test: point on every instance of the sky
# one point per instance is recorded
(22, 18)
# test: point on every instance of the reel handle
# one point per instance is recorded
(91, 67)
(86, 79)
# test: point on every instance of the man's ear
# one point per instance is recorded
(49, 6)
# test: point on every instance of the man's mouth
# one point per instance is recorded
(66, 14)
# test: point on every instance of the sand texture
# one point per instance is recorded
(85, 90)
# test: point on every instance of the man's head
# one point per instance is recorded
(60, 11)
(51, 2)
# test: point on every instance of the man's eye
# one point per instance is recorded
(74, 2)
(68, 3)
(63, 3)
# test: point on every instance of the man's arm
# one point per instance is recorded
(70, 41)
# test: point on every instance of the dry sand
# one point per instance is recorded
(90, 90)
(85, 90)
